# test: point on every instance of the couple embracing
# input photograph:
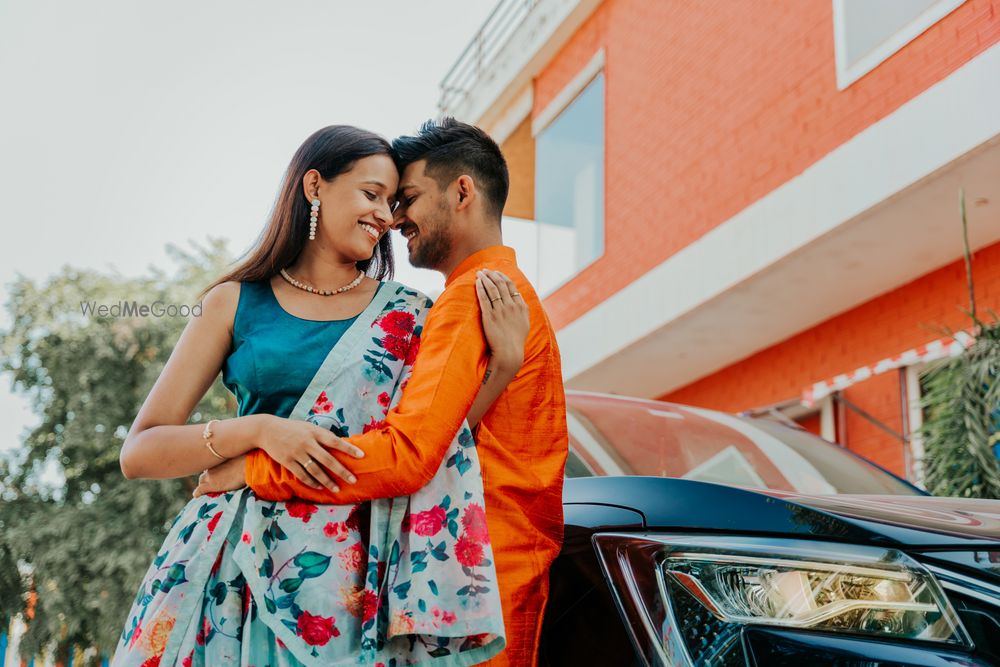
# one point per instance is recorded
(390, 491)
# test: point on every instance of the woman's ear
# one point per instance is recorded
(466, 191)
(310, 184)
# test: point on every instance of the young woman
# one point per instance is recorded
(314, 340)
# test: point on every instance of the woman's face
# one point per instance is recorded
(355, 207)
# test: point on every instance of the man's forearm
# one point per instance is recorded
(394, 465)
(403, 453)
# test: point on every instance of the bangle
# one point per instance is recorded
(207, 435)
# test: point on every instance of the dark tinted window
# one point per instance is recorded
(575, 467)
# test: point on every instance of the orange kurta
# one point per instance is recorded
(522, 444)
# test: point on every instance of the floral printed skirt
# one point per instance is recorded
(225, 627)
(241, 581)
(227, 630)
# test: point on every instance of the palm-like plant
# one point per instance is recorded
(961, 400)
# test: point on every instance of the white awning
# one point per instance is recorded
(939, 349)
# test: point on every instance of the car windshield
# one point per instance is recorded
(620, 436)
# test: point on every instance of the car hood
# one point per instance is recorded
(961, 517)
(694, 506)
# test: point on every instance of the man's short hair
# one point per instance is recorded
(452, 148)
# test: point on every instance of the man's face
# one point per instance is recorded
(423, 218)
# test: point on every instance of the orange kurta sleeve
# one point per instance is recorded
(404, 454)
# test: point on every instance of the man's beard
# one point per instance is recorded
(433, 245)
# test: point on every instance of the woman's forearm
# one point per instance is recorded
(171, 451)
(499, 373)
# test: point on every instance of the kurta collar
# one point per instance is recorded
(491, 254)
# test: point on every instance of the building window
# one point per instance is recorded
(569, 188)
(867, 32)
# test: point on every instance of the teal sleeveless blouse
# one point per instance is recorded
(274, 354)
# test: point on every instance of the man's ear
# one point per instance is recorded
(466, 189)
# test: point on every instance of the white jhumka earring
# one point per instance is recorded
(313, 218)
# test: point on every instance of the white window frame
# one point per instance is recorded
(915, 422)
(849, 73)
(827, 419)
(570, 93)
(551, 112)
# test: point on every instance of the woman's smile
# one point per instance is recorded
(372, 231)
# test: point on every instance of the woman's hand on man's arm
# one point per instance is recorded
(303, 448)
(506, 324)
(300, 446)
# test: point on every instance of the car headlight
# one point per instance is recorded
(693, 595)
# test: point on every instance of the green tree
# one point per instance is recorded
(962, 408)
(71, 527)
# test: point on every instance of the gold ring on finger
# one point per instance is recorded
(308, 463)
(515, 294)
(495, 299)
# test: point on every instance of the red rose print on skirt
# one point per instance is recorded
(353, 558)
(317, 630)
(353, 523)
(429, 523)
(369, 605)
(337, 531)
(300, 510)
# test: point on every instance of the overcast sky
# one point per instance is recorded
(125, 126)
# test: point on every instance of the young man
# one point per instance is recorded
(452, 194)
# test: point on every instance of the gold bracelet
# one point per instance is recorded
(207, 435)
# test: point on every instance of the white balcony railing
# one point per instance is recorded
(494, 34)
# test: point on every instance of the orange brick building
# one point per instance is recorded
(729, 203)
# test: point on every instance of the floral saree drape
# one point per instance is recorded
(399, 581)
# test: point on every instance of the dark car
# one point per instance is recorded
(696, 537)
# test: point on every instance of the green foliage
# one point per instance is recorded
(962, 408)
(961, 400)
(71, 526)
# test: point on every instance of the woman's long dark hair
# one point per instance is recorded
(331, 151)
